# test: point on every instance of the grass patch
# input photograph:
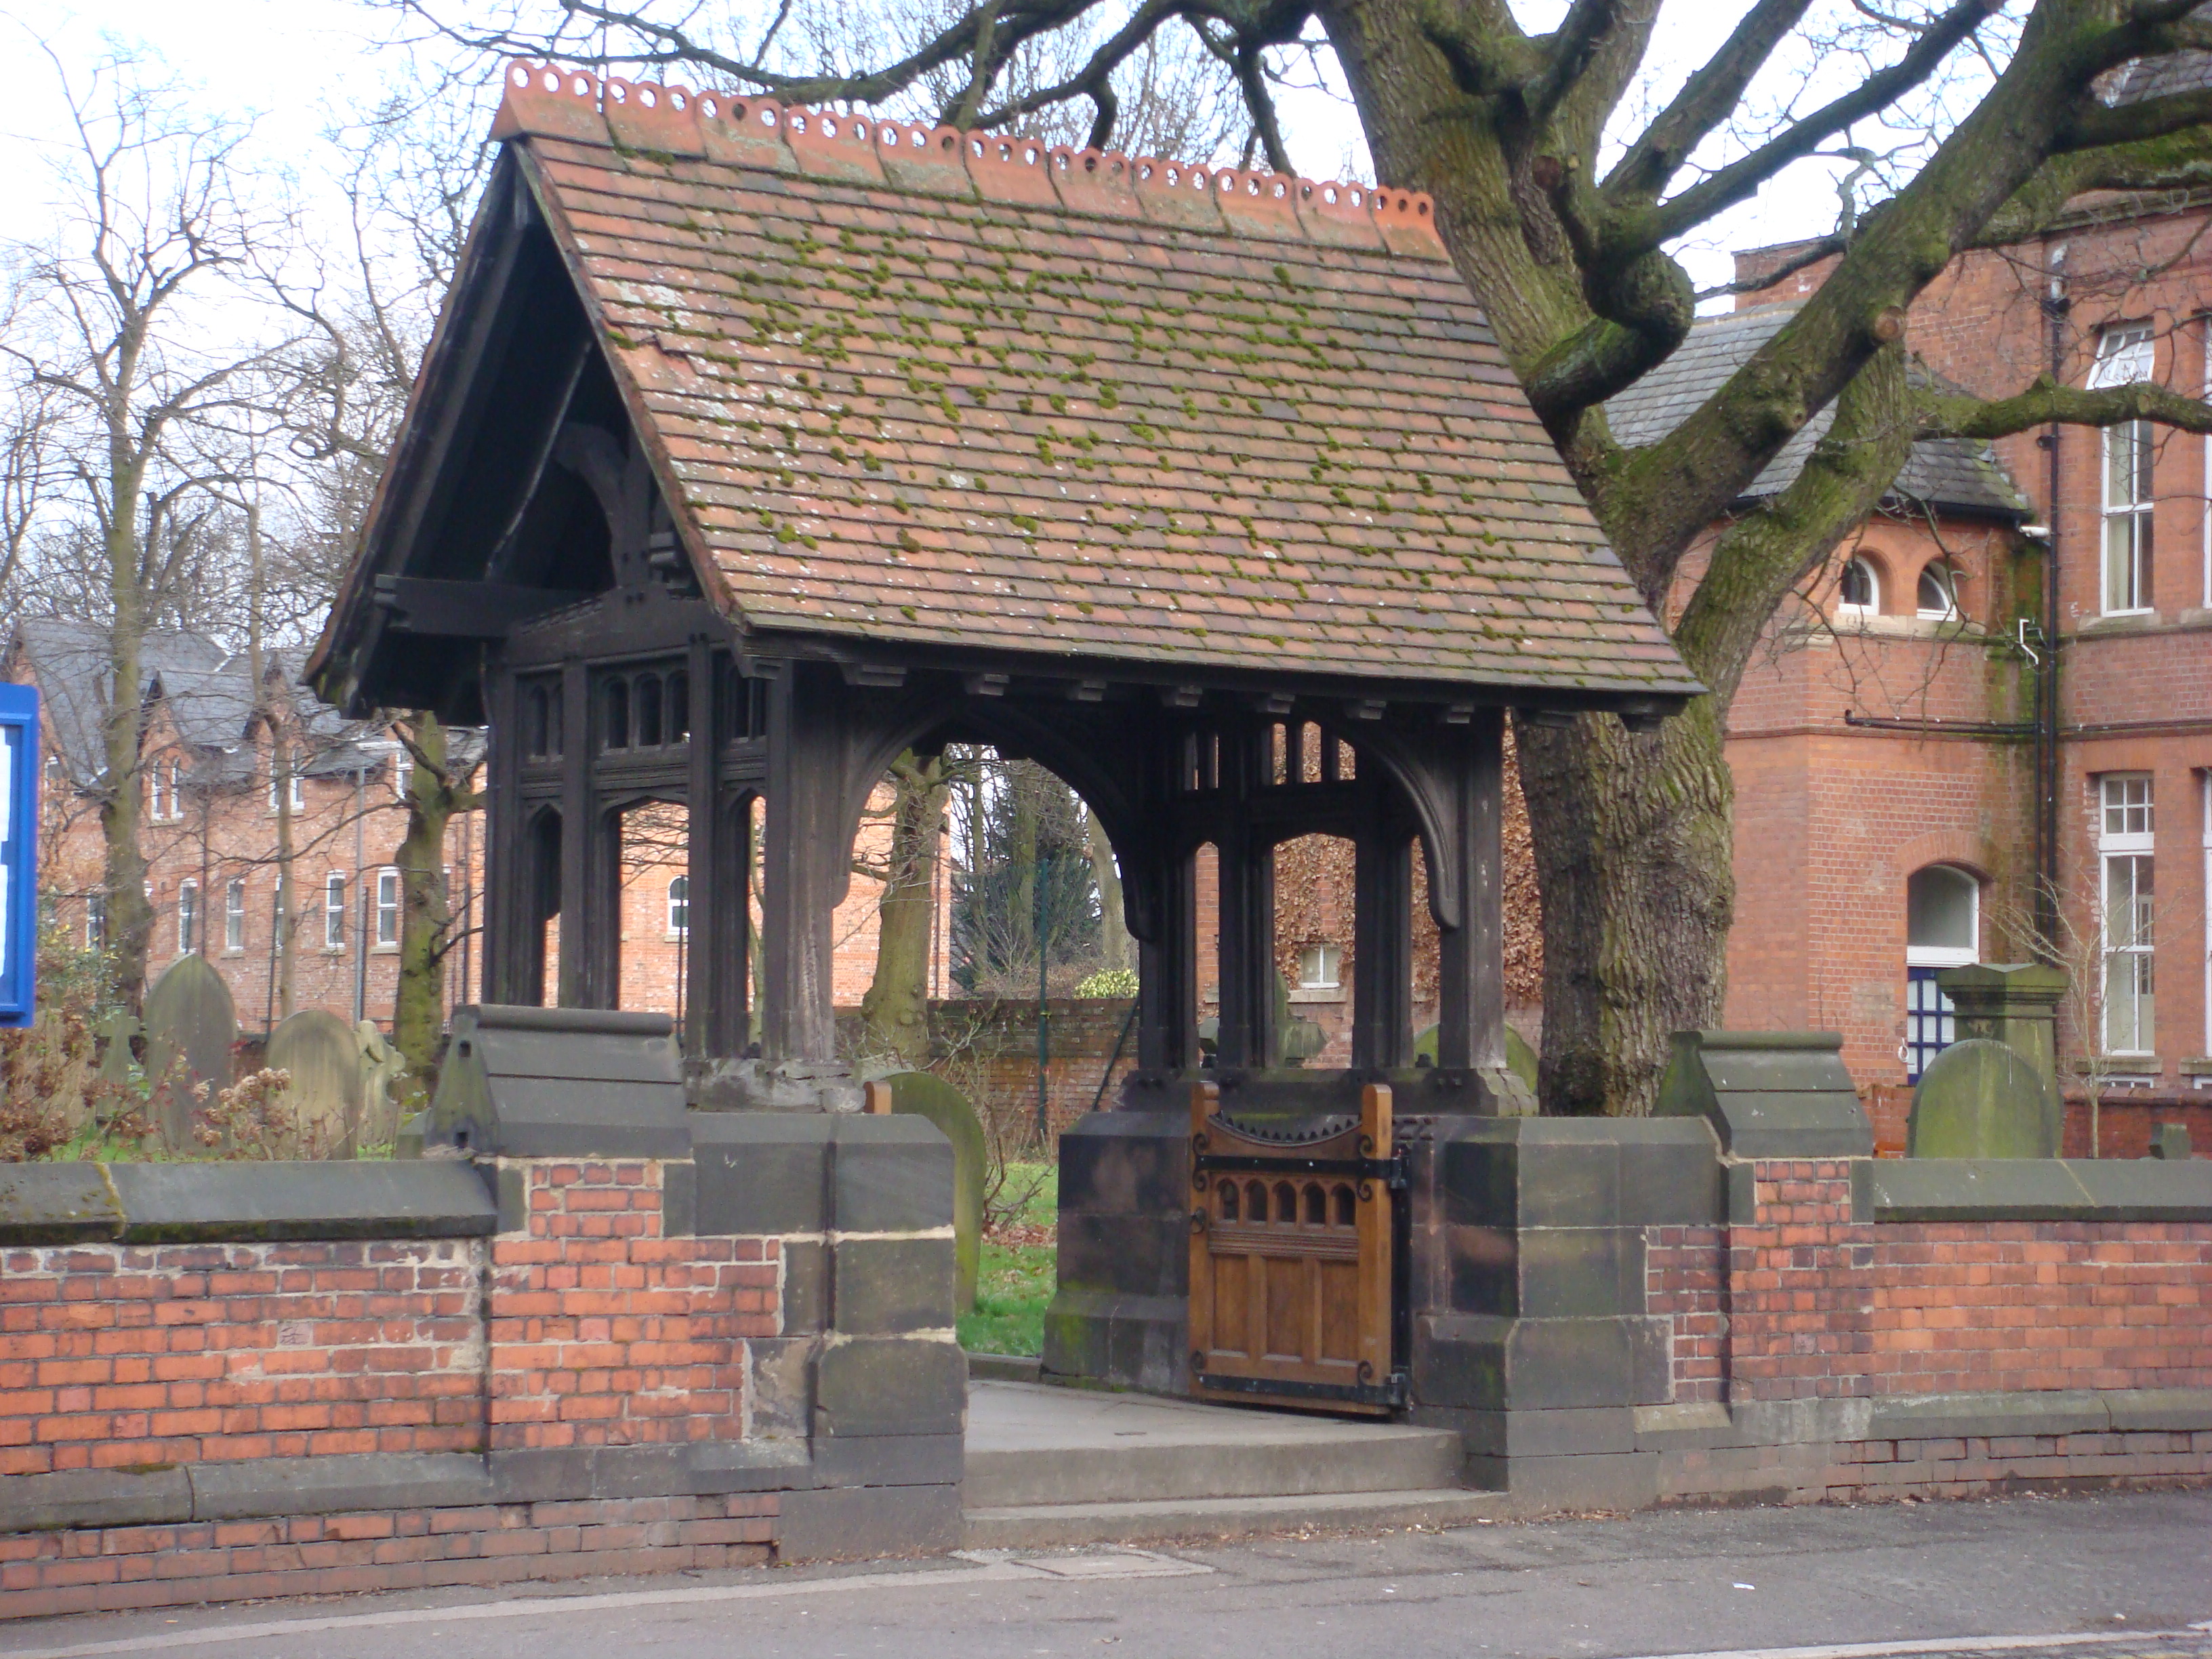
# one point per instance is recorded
(1020, 1268)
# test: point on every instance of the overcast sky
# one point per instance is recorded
(291, 63)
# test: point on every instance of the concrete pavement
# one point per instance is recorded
(2094, 1578)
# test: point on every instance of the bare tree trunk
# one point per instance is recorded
(130, 915)
(433, 795)
(1115, 945)
(897, 1005)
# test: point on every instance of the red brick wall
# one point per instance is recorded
(585, 1328)
(1804, 1303)
(107, 1568)
(117, 1355)
(604, 1333)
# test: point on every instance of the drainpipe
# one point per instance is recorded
(365, 898)
(2056, 305)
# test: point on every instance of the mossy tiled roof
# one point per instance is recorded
(913, 387)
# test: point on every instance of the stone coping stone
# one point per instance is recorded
(815, 1172)
(1536, 1172)
(1768, 1094)
(527, 1082)
(215, 1203)
(2041, 1189)
(58, 1204)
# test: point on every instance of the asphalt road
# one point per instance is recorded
(2118, 1577)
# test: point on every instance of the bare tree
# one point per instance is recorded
(1567, 175)
(152, 223)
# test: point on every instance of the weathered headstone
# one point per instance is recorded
(1520, 1054)
(2016, 1003)
(1983, 1098)
(189, 1016)
(382, 1066)
(322, 1056)
(118, 1032)
(2170, 1141)
(923, 1094)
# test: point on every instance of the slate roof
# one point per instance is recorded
(913, 388)
(208, 693)
(1940, 474)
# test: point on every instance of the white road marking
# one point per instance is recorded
(1942, 1644)
(1122, 1564)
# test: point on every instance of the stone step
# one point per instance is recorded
(1041, 1526)
(1032, 1446)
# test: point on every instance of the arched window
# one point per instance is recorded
(1943, 929)
(1859, 592)
(679, 907)
(1938, 597)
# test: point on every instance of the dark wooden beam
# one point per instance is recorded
(1471, 957)
(465, 611)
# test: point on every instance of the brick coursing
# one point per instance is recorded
(116, 1568)
(114, 1356)
(604, 1333)
(1806, 1303)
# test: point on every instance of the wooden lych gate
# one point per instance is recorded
(675, 554)
(1293, 1250)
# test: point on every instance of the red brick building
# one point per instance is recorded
(209, 833)
(1912, 787)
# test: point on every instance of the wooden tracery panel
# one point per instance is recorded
(1291, 1246)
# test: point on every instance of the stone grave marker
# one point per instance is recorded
(2170, 1141)
(383, 1066)
(118, 1032)
(1521, 1057)
(188, 1014)
(322, 1056)
(923, 1094)
(1983, 1098)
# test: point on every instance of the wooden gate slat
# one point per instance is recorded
(1290, 1263)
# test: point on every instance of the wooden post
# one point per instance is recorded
(505, 857)
(1167, 968)
(1247, 954)
(1382, 938)
(1471, 957)
(706, 946)
(806, 862)
(879, 1097)
(575, 838)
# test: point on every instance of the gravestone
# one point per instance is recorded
(382, 1066)
(2170, 1141)
(188, 1016)
(2016, 1003)
(118, 1032)
(1297, 1039)
(923, 1094)
(1983, 1098)
(1521, 1057)
(322, 1056)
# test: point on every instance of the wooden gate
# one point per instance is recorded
(1290, 1259)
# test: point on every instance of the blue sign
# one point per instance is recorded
(19, 852)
